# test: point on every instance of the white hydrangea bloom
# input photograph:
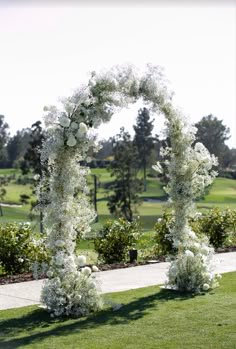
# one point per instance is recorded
(71, 142)
(59, 243)
(86, 271)
(74, 125)
(189, 253)
(205, 287)
(83, 129)
(64, 121)
(95, 268)
(81, 260)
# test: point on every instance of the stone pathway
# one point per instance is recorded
(28, 293)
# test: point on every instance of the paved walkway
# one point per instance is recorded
(28, 293)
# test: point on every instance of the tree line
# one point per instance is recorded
(128, 159)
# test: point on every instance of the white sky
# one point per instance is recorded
(47, 51)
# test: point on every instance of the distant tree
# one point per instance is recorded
(126, 185)
(32, 155)
(229, 158)
(31, 160)
(4, 136)
(106, 150)
(213, 134)
(16, 147)
(3, 183)
(144, 141)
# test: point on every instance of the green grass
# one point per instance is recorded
(223, 191)
(221, 194)
(15, 214)
(15, 190)
(149, 318)
(9, 171)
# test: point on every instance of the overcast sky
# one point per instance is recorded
(47, 51)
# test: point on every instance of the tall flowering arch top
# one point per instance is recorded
(70, 288)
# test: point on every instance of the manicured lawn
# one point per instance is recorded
(150, 318)
(223, 190)
(15, 214)
(221, 194)
(15, 190)
(9, 171)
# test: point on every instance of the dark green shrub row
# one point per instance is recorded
(19, 248)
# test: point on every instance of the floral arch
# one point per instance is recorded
(70, 289)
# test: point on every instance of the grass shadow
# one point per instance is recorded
(39, 325)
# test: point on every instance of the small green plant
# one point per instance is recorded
(19, 248)
(115, 239)
(163, 244)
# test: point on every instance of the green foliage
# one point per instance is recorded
(19, 249)
(213, 134)
(162, 241)
(219, 226)
(4, 136)
(17, 146)
(32, 155)
(115, 239)
(143, 140)
(126, 186)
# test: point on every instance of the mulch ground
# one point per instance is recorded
(4, 280)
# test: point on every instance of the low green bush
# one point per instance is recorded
(219, 226)
(115, 239)
(19, 248)
(162, 240)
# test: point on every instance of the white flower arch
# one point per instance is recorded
(70, 288)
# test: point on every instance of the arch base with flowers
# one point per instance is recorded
(71, 288)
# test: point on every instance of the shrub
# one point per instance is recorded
(19, 248)
(162, 239)
(115, 239)
(219, 226)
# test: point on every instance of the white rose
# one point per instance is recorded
(205, 250)
(81, 260)
(59, 243)
(74, 125)
(83, 129)
(189, 253)
(64, 121)
(86, 271)
(49, 273)
(77, 297)
(205, 287)
(36, 177)
(71, 141)
(59, 259)
(191, 234)
(95, 268)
